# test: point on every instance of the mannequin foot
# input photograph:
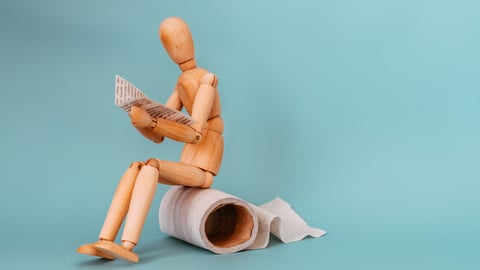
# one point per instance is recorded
(90, 249)
(117, 251)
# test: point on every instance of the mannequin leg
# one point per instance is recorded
(142, 196)
(116, 213)
(120, 203)
(177, 173)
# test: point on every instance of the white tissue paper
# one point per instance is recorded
(223, 223)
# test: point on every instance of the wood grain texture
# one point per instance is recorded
(142, 196)
(176, 131)
(120, 203)
(178, 42)
(207, 154)
(181, 173)
(117, 251)
(204, 100)
(90, 249)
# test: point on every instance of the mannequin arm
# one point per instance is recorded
(174, 102)
(158, 127)
(143, 122)
(204, 99)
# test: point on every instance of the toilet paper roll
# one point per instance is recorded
(223, 223)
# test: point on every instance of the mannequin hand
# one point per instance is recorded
(140, 118)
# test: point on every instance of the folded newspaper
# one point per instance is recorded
(127, 96)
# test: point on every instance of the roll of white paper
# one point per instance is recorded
(223, 223)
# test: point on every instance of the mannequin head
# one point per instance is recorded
(178, 42)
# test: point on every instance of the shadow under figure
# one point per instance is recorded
(196, 91)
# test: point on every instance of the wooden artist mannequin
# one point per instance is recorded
(196, 91)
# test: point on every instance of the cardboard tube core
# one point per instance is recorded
(229, 225)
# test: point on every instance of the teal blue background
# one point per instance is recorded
(364, 115)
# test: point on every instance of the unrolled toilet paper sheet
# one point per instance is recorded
(277, 217)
